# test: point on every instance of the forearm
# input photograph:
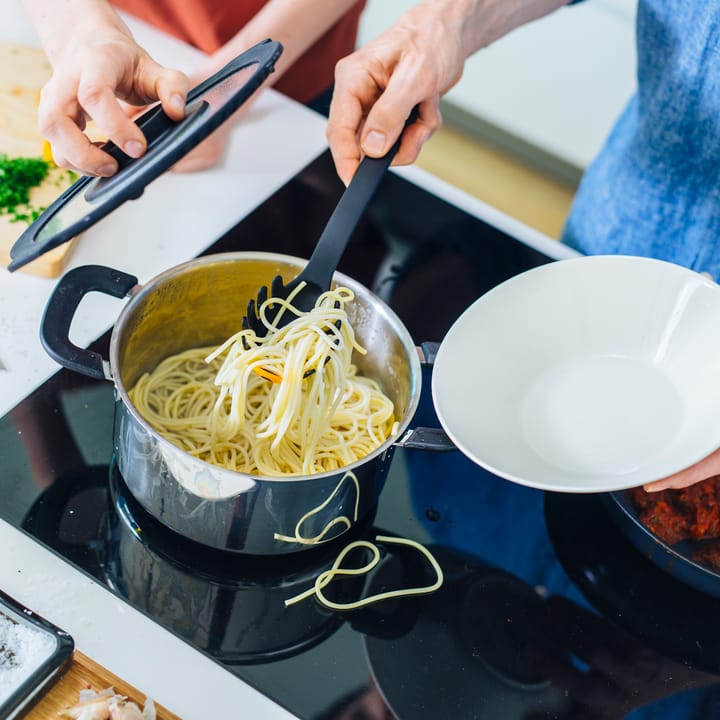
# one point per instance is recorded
(297, 24)
(478, 23)
(413, 63)
(55, 21)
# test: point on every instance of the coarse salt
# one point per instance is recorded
(23, 649)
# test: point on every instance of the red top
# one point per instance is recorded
(209, 24)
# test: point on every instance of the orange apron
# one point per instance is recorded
(209, 24)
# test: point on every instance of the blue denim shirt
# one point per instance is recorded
(653, 188)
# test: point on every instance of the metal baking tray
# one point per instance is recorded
(33, 655)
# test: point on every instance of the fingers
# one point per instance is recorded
(365, 121)
(406, 87)
(168, 86)
(61, 121)
(356, 89)
(411, 64)
(99, 102)
(702, 470)
(385, 122)
(95, 93)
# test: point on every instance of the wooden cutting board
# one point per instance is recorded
(23, 71)
(82, 674)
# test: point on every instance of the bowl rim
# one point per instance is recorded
(600, 483)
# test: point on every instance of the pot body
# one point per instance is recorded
(233, 511)
(201, 303)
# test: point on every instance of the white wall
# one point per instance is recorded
(557, 83)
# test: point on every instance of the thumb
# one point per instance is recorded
(387, 117)
(170, 87)
(383, 126)
(386, 121)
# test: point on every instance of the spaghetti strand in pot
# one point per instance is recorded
(320, 417)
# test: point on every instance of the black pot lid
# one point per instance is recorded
(91, 198)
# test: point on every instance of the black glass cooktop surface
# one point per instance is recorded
(546, 610)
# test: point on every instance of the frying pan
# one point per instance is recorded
(676, 560)
(90, 199)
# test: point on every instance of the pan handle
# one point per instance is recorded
(60, 311)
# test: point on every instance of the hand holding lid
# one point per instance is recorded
(91, 198)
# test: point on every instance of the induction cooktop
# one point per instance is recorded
(545, 611)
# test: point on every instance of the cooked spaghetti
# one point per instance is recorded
(326, 577)
(320, 415)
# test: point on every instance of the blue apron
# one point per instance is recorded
(653, 188)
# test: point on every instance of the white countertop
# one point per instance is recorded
(178, 217)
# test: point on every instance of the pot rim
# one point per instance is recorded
(142, 290)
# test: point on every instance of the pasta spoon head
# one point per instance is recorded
(261, 315)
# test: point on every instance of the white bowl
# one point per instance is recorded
(590, 374)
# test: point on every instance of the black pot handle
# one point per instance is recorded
(60, 311)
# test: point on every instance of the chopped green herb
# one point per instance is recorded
(62, 177)
(17, 178)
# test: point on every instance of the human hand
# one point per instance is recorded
(412, 63)
(706, 468)
(98, 66)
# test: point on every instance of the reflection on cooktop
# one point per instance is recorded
(228, 606)
(494, 645)
(231, 608)
(655, 607)
(476, 638)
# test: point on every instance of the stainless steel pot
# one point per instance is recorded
(200, 303)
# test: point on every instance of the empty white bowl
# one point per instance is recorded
(589, 374)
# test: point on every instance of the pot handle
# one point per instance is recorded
(60, 311)
(426, 438)
(427, 352)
